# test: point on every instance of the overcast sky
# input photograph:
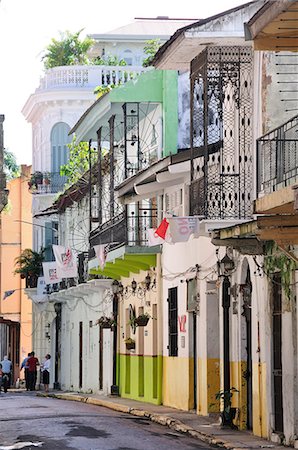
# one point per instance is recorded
(27, 26)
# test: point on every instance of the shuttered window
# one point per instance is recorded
(173, 322)
(59, 149)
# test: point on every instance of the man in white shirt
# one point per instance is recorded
(6, 372)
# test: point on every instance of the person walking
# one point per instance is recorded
(25, 366)
(6, 372)
(45, 370)
(32, 371)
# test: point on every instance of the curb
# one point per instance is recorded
(174, 424)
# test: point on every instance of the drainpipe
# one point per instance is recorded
(226, 302)
(115, 290)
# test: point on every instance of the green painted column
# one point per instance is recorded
(170, 112)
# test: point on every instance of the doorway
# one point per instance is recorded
(80, 355)
(192, 308)
(277, 354)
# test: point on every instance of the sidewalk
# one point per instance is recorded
(205, 428)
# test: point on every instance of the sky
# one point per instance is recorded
(27, 27)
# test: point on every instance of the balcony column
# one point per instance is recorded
(99, 175)
(112, 129)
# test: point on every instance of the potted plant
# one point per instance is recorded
(228, 413)
(29, 266)
(38, 176)
(130, 344)
(105, 322)
(142, 320)
(35, 179)
(47, 178)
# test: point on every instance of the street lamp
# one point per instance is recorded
(225, 268)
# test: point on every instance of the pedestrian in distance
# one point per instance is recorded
(25, 366)
(45, 370)
(6, 372)
(32, 371)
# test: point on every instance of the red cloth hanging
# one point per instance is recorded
(161, 230)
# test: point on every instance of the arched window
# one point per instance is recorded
(59, 149)
(128, 57)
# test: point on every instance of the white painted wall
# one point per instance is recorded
(87, 309)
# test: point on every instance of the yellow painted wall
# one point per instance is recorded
(260, 419)
(16, 235)
(239, 400)
(176, 387)
(208, 385)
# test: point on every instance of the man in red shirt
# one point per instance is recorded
(32, 363)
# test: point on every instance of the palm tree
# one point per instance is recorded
(29, 266)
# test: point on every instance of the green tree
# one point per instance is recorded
(109, 61)
(150, 50)
(11, 168)
(78, 162)
(68, 51)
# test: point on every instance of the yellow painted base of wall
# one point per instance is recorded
(208, 385)
(177, 374)
(239, 400)
(178, 384)
(260, 419)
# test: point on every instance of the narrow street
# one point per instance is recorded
(28, 421)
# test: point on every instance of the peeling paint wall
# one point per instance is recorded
(279, 88)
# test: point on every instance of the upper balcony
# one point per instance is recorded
(277, 168)
(72, 77)
(277, 158)
(46, 183)
(128, 228)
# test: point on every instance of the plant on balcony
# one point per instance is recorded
(101, 90)
(47, 178)
(109, 61)
(29, 266)
(105, 322)
(35, 180)
(78, 162)
(142, 320)
(130, 344)
(277, 261)
(70, 50)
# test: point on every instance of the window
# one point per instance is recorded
(59, 149)
(128, 57)
(173, 322)
(50, 238)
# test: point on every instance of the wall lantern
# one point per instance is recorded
(226, 266)
(115, 287)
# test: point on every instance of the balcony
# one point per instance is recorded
(277, 158)
(69, 77)
(125, 228)
(46, 183)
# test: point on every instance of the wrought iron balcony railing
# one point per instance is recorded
(46, 183)
(277, 158)
(130, 229)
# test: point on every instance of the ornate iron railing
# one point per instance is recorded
(277, 158)
(46, 183)
(125, 228)
(221, 112)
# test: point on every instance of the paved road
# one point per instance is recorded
(31, 422)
